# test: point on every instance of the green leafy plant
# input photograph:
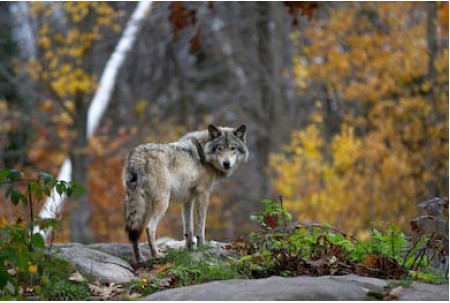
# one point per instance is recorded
(392, 243)
(273, 215)
(283, 248)
(23, 261)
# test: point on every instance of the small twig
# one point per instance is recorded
(30, 201)
(282, 208)
(393, 244)
(410, 250)
(52, 237)
(421, 254)
(418, 258)
(427, 245)
(431, 259)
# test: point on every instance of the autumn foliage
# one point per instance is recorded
(365, 86)
(389, 149)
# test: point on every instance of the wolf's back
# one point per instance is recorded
(134, 178)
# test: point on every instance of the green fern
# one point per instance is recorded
(392, 244)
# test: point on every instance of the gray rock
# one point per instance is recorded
(277, 288)
(96, 264)
(121, 250)
(425, 292)
(124, 250)
(326, 288)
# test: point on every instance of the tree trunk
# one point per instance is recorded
(80, 210)
(269, 50)
(15, 87)
(431, 77)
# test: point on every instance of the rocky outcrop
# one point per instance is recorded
(326, 288)
(110, 262)
(97, 264)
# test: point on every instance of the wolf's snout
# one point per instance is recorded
(226, 164)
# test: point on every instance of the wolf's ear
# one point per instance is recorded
(214, 132)
(240, 132)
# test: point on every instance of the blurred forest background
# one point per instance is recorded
(346, 105)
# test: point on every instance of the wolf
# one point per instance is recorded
(185, 172)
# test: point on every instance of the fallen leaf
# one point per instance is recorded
(11, 272)
(162, 268)
(77, 277)
(394, 294)
(105, 291)
(134, 295)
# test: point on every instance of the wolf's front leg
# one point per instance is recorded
(202, 207)
(188, 223)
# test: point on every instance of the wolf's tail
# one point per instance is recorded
(135, 186)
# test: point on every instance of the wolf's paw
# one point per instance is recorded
(156, 255)
(191, 241)
(191, 246)
(200, 241)
(141, 259)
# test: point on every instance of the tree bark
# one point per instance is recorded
(80, 210)
(431, 77)
(269, 50)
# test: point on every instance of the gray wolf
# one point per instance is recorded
(184, 171)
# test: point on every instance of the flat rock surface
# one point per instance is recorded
(124, 250)
(110, 262)
(326, 288)
(425, 292)
(97, 264)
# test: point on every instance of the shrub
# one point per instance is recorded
(25, 268)
(283, 248)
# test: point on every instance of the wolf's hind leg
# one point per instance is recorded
(159, 209)
(137, 254)
(188, 223)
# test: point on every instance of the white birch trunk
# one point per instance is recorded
(53, 205)
(23, 29)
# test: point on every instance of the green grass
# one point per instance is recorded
(430, 275)
(204, 269)
(184, 268)
(64, 290)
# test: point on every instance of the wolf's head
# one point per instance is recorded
(226, 148)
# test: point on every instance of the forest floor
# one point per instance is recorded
(211, 273)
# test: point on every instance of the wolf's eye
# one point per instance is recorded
(233, 148)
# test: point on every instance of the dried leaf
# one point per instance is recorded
(12, 272)
(394, 294)
(77, 277)
(105, 292)
(134, 295)
(162, 268)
